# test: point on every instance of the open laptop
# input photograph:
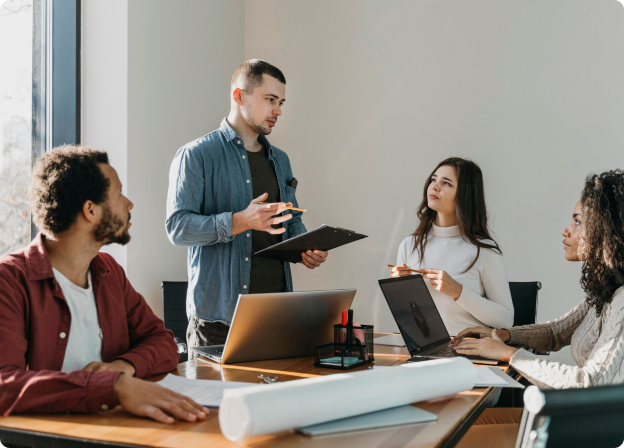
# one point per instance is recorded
(280, 325)
(419, 320)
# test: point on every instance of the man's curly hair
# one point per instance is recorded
(62, 181)
(601, 245)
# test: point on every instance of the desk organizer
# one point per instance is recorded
(352, 347)
(341, 356)
(362, 335)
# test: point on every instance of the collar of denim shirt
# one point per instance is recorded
(230, 134)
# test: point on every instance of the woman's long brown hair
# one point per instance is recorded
(469, 206)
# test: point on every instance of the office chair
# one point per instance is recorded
(524, 298)
(570, 418)
(174, 299)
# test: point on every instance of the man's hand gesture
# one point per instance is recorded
(261, 217)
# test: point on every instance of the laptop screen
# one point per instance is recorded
(414, 312)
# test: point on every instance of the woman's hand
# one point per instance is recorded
(483, 332)
(485, 347)
(442, 281)
(400, 271)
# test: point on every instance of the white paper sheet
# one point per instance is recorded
(395, 340)
(208, 393)
(253, 411)
(494, 377)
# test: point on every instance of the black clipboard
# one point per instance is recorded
(323, 238)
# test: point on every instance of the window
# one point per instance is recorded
(39, 100)
(16, 20)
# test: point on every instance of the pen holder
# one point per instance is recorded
(341, 356)
(362, 335)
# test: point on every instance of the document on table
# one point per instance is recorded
(495, 377)
(395, 340)
(205, 392)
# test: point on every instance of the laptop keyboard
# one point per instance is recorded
(446, 351)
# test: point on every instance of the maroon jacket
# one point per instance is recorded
(34, 324)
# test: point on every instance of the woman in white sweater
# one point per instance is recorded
(453, 249)
(594, 329)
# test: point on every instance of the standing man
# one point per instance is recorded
(211, 207)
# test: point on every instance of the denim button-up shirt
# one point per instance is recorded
(209, 180)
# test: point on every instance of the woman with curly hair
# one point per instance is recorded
(594, 329)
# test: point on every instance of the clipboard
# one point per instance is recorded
(322, 238)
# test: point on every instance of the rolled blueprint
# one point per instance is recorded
(257, 410)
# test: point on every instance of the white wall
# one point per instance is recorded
(104, 85)
(156, 76)
(379, 92)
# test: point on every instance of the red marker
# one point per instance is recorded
(343, 331)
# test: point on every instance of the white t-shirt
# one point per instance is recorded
(485, 298)
(85, 335)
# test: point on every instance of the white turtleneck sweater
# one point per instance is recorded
(485, 298)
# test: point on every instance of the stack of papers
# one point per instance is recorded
(208, 393)
(495, 377)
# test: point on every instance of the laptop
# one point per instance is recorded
(419, 320)
(280, 325)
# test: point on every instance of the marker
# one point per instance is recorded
(349, 329)
(343, 331)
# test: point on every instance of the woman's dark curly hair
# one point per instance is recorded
(62, 181)
(601, 245)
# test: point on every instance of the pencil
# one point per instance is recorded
(411, 270)
(297, 209)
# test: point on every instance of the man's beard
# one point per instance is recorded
(262, 130)
(106, 230)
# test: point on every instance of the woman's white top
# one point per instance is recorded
(485, 298)
(84, 343)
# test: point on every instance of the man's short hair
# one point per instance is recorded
(248, 75)
(62, 181)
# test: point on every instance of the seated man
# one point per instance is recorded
(74, 335)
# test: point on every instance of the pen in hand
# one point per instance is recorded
(410, 270)
(297, 209)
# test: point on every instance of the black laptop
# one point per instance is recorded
(419, 320)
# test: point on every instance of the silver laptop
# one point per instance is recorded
(280, 325)
(419, 320)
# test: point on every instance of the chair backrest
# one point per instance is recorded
(524, 298)
(174, 298)
(569, 418)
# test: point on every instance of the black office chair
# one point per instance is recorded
(524, 298)
(569, 418)
(174, 299)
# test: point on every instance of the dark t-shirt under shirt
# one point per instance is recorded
(267, 275)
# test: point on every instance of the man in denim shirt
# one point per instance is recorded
(211, 207)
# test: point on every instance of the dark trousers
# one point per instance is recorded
(200, 333)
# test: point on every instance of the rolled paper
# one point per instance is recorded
(258, 410)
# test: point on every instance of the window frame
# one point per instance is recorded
(55, 77)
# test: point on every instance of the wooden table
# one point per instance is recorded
(117, 428)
